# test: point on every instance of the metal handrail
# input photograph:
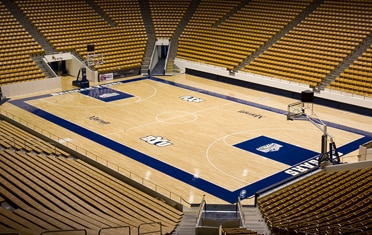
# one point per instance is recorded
(114, 228)
(166, 59)
(200, 210)
(151, 59)
(241, 212)
(150, 232)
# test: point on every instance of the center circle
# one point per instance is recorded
(176, 117)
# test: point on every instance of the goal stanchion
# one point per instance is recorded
(303, 110)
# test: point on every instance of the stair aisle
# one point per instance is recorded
(188, 222)
(254, 220)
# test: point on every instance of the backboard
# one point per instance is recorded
(299, 110)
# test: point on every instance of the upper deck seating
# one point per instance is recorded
(238, 35)
(16, 50)
(72, 25)
(316, 46)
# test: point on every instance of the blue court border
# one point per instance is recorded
(208, 187)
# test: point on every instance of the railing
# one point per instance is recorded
(160, 231)
(241, 212)
(157, 188)
(151, 64)
(167, 58)
(119, 229)
(200, 211)
(349, 94)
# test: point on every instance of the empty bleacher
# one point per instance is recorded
(72, 25)
(357, 78)
(196, 35)
(16, 50)
(237, 36)
(166, 15)
(316, 46)
(47, 190)
(222, 33)
(20, 140)
(337, 202)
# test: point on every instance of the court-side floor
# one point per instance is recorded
(191, 136)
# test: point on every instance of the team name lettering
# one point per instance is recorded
(303, 167)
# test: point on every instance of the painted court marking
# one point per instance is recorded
(194, 179)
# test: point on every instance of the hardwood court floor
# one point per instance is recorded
(183, 132)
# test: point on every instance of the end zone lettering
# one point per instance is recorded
(303, 167)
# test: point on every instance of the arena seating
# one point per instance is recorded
(38, 179)
(237, 36)
(48, 189)
(318, 44)
(166, 16)
(130, 18)
(357, 78)
(307, 54)
(327, 202)
(18, 139)
(16, 48)
(73, 25)
(197, 44)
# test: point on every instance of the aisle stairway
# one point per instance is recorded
(253, 218)
(171, 67)
(187, 224)
(279, 35)
(146, 16)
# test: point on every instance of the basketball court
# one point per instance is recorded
(186, 136)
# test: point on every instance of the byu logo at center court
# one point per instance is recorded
(273, 147)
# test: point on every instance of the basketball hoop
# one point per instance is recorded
(94, 59)
(298, 111)
(303, 110)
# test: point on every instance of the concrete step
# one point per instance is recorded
(188, 222)
(254, 220)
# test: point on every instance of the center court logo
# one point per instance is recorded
(272, 147)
